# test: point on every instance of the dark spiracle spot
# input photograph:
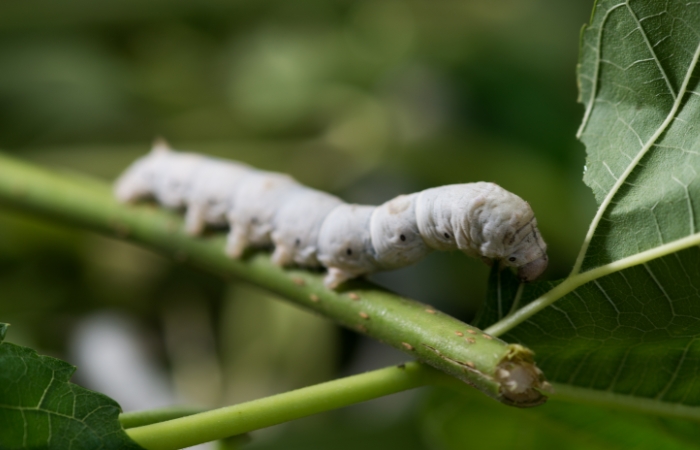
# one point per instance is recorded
(403, 238)
(297, 242)
(511, 259)
(254, 220)
(349, 252)
(447, 235)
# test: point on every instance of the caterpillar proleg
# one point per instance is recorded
(312, 228)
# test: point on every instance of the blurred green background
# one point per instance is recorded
(366, 99)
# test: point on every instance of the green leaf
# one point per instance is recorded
(455, 422)
(618, 334)
(505, 295)
(624, 326)
(40, 408)
(639, 84)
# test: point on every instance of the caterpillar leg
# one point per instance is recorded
(194, 220)
(283, 255)
(237, 241)
(336, 277)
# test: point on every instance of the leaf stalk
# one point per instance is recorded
(574, 281)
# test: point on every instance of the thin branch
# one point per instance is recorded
(441, 341)
(135, 419)
(245, 417)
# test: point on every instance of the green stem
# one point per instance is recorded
(574, 281)
(238, 419)
(140, 418)
(417, 329)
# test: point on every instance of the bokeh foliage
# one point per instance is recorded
(365, 99)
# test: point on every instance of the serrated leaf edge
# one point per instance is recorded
(594, 81)
(633, 164)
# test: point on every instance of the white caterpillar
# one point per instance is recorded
(311, 228)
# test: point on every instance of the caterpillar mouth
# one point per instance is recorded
(533, 269)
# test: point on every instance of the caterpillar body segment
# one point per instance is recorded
(297, 226)
(311, 228)
(483, 220)
(254, 205)
(396, 239)
(345, 245)
(209, 196)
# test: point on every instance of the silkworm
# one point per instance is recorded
(311, 228)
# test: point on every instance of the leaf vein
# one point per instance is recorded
(605, 294)
(660, 286)
(674, 375)
(650, 143)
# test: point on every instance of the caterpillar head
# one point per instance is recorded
(483, 220)
(510, 234)
(533, 269)
(529, 255)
